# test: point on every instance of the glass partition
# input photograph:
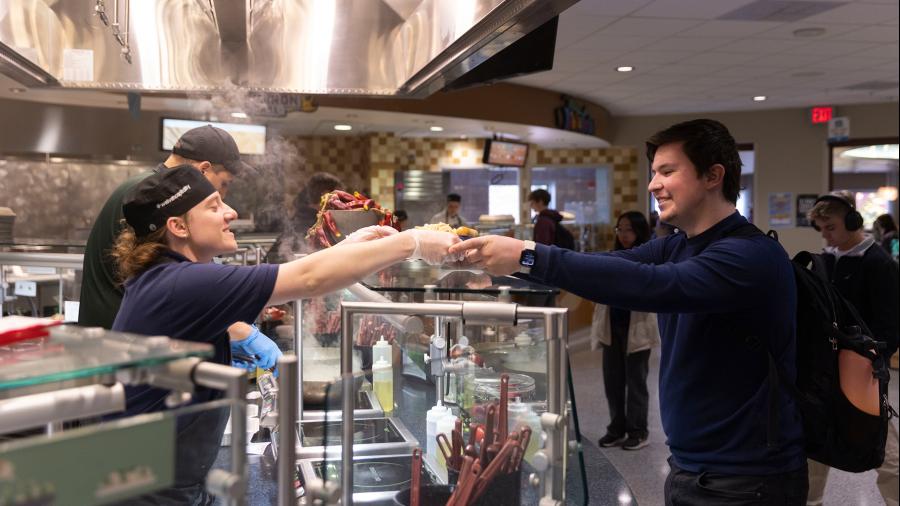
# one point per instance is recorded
(474, 372)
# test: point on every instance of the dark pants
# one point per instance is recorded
(684, 488)
(625, 382)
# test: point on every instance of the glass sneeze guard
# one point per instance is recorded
(72, 352)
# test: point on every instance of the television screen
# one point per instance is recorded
(250, 139)
(505, 153)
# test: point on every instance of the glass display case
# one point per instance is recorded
(496, 368)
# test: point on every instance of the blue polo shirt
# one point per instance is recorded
(193, 302)
(723, 304)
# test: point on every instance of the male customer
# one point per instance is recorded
(450, 214)
(208, 149)
(725, 301)
(547, 227)
(865, 275)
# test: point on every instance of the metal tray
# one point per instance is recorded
(398, 441)
(383, 494)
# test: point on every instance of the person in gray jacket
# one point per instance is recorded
(627, 337)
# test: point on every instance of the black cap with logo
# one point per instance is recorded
(213, 145)
(163, 195)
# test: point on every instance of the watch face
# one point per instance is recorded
(527, 258)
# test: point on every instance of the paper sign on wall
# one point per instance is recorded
(781, 209)
(839, 129)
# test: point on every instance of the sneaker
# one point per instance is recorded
(635, 443)
(609, 440)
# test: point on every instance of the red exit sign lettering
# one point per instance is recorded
(822, 114)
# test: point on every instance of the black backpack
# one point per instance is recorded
(831, 338)
(563, 238)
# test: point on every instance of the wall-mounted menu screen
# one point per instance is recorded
(250, 139)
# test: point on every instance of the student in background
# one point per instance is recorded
(627, 338)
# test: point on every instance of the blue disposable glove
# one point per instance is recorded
(259, 346)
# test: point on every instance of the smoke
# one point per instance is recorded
(266, 192)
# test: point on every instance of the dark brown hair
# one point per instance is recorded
(706, 143)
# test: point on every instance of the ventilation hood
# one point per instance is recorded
(403, 48)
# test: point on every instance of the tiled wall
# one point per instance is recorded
(624, 163)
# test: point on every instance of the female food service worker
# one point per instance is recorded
(177, 224)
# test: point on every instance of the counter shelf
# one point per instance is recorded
(74, 355)
(79, 373)
(545, 351)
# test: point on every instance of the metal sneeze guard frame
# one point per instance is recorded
(552, 483)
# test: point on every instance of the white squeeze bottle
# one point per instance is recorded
(444, 426)
(383, 383)
(521, 415)
(382, 349)
(431, 419)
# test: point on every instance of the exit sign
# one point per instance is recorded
(822, 114)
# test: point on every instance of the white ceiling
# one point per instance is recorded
(687, 60)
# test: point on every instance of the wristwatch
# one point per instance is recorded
(527, 258)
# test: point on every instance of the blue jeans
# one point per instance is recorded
(684, 488)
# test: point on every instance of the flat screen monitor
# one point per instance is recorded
(250, 139)
(507, 153)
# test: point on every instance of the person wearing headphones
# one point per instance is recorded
(867, 277)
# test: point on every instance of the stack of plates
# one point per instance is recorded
(7, 220)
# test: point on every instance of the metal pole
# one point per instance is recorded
(288, 397)
(347, 391)
(298, 351)
(554, 401)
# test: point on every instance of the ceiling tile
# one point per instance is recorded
(748, 71)
(606, 7)
(720, 58)
(573, 28)
(786, 30)
(611, 42)
(694, 9)
(830, 48)
(759, 46)
(853, 13)
(875, 33)
(727, 28)
(641, 57)
(882, 51)
(857, 61)
(683, 69)
(652, 27)
(789, 60)
(687, 44)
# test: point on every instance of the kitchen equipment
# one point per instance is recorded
(371, 436)
(376, 478)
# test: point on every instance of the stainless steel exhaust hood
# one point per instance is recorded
(409, 48)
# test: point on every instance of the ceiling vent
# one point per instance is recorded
(873, 86)
(779, 10)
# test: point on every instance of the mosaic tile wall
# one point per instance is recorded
(624, 163)
(389, 153)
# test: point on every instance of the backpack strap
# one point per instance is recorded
(772, 421)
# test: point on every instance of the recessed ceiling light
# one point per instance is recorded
(759, 98)
(625, 68)
(435, 128)
(18, 90)
(806, 33)
(343, 128)
(241, 115)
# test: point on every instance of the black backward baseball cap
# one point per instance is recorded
(213, 145)
(163, 195)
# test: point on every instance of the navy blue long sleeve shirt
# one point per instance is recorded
(723, 304)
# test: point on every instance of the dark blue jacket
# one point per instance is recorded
(723, 302)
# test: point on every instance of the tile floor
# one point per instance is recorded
(645, 470)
